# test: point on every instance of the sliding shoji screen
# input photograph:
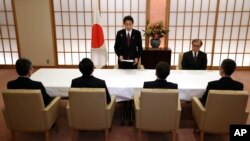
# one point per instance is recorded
(190, 19)
(224, 31)
(73, 30)
(233, 36)
(8, 41)
(73, 20)
(113, 12)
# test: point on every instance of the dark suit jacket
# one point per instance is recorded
(27, 83)
(159, 83)
(225, 83)
(188, 62)
(90, 82)
(121, 45)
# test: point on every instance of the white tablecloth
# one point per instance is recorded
(126, 83)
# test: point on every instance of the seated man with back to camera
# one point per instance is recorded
(194, 59)
(24, 70)
(87, 80)
(162, 72)
(227, 68)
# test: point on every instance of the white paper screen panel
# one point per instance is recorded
(8, 40)
(73, 20)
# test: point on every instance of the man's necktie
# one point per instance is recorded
(128, 39)
(195, 56)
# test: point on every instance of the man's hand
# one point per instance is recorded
(121, 58)
(135, 61)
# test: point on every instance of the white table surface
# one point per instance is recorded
(126, 83)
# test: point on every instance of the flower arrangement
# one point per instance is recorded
(155, 30)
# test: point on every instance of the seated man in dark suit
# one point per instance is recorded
(194, 59)
(24, 70)
(162, 72)
(225, 82)
(87, 80)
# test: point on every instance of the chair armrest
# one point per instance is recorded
(116, 66)
(179, 105)
(6, 118)
(112, 102)
(141, 67)
(110, 109)
(246, 116)
(137, 110)
(178, 115)
(67, 106)
(51, 112)
(69, 115)
(137, 102)
(198, 112)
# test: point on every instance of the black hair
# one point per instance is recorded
(162, 70)
(128, 18)
(197, 40)
(228, 66)
(23, 66)
(86, 67)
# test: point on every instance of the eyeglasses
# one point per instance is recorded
(196, 46)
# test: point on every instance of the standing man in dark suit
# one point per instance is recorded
(225, 82)
(195, 59)
(87, 80)
(162, 72)
(24, 70)
(128, 45)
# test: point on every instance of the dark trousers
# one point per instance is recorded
(127, 106)
(127, 113)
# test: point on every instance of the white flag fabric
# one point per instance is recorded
(98, 46)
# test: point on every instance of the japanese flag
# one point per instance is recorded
(98, 46)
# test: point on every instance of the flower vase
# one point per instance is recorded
(155, 43)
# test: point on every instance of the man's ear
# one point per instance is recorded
(30, 72)
(222, 73)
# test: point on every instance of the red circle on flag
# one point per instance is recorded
(97, 36)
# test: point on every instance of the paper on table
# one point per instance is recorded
(131, 61)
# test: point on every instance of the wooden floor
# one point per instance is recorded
(61, 131)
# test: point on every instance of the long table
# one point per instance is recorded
(126, 83)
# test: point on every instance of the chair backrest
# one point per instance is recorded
(88, 108)
(159, 109)
(225, 107)
(23, 109)
(179, 67)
